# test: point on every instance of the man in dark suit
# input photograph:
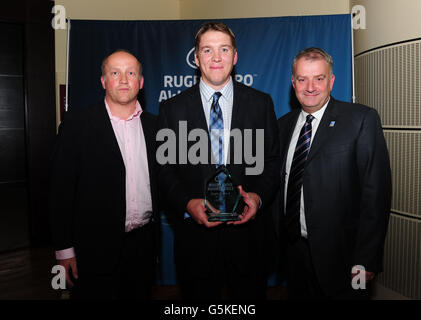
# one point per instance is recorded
(211, 256)
(104, 191)
(335, 186)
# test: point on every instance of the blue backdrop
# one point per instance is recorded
(266, 48)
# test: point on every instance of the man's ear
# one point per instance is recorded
(103, 81)
(235, 57)
(293, 82)
(196, 60)
(141, 83)
(332, 80)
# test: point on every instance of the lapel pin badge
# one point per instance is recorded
(332, 124)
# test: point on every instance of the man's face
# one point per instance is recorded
(312, 83)
(216, 58)
(121, 81)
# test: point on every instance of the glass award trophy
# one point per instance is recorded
(223, 200)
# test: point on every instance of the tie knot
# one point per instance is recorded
(216, 96)
(309, 118)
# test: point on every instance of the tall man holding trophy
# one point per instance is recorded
(222, 232)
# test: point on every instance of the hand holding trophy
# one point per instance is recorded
(223, 200)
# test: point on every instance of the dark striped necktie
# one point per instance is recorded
(295, 180)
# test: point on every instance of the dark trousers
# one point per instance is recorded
(133, 276)
(302, 283)
(212, 264)
(218, 286)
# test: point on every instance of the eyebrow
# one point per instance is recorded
(316, 76)
(119, 69)
(221, 46)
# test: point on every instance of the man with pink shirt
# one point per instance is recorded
(103, 190)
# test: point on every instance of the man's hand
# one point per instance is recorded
(197, 210)
(252, 201)
(69, 264)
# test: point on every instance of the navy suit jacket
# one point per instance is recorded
(180, 183)
(347, 191)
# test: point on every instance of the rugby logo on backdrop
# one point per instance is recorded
(190, 59)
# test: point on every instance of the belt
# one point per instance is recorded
(140, 228)
(297, 239)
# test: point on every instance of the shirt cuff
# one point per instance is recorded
(65, 254)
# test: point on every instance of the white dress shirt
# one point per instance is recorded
(314, 125)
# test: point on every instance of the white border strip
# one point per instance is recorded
(66, 105)
(352, 62)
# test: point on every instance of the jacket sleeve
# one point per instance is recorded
(63, 180)
(172, 189)
(376, 191)
(268, 182)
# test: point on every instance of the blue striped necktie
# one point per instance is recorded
(295, 180)
(216, 128)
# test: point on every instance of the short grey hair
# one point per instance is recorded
(313, 53)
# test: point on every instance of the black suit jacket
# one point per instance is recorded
(180, 183)
(88, 189)
(347, 191)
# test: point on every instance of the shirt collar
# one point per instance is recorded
(208, 92)
(136, 114)
(318, 114)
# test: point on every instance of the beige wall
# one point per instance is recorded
(388, 81)
(204, 9)
(387, 21)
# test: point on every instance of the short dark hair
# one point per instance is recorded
(214, 26)
(313, 53)
(104, 61)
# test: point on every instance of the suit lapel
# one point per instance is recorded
(239, 107)
(286, 138)
(197, 119)
(106, 133)
(325, 129)
(196, 115)
(148, 127)
(149, 137)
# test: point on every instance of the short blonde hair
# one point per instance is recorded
(214, 26)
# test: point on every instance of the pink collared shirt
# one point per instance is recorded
(130, 138)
